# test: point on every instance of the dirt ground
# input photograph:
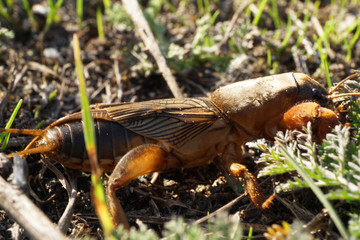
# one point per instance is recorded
(34, 63)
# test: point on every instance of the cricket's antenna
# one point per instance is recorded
(333, 96)
(33, 132)
(39, 149)
(343, 95)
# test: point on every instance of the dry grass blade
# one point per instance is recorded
(143, 28)
(225, 208)
(230, 27)
(24, 211)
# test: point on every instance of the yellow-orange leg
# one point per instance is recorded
(323, 120)
(230, 159)
(251, 186)
(141, 160)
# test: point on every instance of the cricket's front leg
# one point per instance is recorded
(231, 159)
(139, 161)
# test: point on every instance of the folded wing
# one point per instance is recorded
(174, 121)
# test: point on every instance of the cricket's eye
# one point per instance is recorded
(318, 95)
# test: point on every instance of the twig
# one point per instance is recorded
(66, 217)
(222, 209)
(319, 222)
(5, 166)
(118, 78)
(229, 28)
(35, 66)
(71, 189)
(149, 219)
(300, 213)
(258, 228)
(313, 224)
(20, 173)
(18, 77)
(299, 61)
(27, 214)
(143, 28)
(320, 32)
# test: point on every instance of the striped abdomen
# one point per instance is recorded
(113, 141)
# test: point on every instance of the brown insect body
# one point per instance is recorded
(258, 105)
(158, 135)
(234, 113)
(70, 145)
(173, 124)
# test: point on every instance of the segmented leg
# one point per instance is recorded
(141, 160)
(230, 159)
(251, 186)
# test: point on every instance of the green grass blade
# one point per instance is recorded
(250, 233)
(268, 58)
(261, 7)
(79, 11)
(348, 50)
(58, 4)
(89, 131)
(275, 14)
(305, 21)
(288, 34)
(99, 23)
(326, 68)
(98, 191)
(4, 13)
(355, 37)
(27, 9)
(39, 124)
(10, 4)
(323, 57)
(200, 6)
(317, 191)
(106, 4)
(52, 95)
(52, 13)
(5, 136)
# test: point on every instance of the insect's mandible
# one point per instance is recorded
(134, 139)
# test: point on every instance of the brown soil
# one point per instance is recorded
(190, 193)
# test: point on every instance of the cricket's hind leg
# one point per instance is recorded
(139, 161)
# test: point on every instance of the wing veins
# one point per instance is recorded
(171, 120)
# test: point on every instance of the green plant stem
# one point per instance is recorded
(4, 13)
(305, 21)
(99, 23)
(261, 7)
(89, 131)
(52, 13)
(106, 4)
(98, 192)
(326, 68)
(79, 11)
(200, 6)
(275, 14)
(8, 125)
(29, 12)
(52, 95)
(288, 34)
(355, 37)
